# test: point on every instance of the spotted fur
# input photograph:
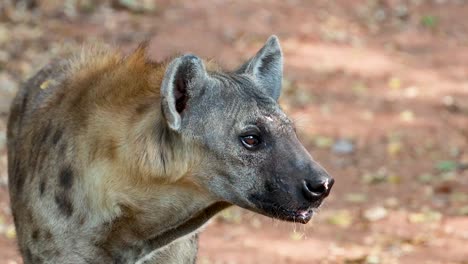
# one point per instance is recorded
(118, 159)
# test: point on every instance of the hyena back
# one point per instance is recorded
(118, 159)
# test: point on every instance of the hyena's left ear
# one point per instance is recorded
(267, 67)
(183, 77)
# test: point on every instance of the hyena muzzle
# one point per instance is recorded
(118, 159)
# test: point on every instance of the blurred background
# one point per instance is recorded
(378, 89)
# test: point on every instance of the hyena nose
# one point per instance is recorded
(314, 190)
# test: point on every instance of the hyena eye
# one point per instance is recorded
(250, 142)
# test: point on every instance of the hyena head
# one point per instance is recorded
(250, 153)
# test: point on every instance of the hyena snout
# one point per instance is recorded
(312, 183)
(295, 190)
(316, 188)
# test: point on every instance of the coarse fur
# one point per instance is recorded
(118, 159)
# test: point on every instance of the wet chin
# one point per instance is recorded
(282, 212)
(290, 215)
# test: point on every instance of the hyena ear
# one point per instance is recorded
(183, 75)
(267, 67)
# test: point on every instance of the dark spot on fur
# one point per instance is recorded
(66, 178)
(42, 187)
(45, 133)
(82, 220)
(107, 224)
(35, 234)
(19, 176)
(143, 108)
(64, 204)
(194, 239)
(118, 259)
(57, 136)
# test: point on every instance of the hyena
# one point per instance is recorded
(119, 159)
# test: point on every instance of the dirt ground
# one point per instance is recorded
(378, 89)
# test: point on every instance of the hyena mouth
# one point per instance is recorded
(301, 215)
(305, 215)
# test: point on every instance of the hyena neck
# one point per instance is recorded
(142, 215)
(145, 230)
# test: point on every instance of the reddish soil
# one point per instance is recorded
(390, 77)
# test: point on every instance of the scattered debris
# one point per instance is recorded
(447, 165)
(425, 216)
(375, 213)
(356, 197)
(138, 6)
(343, 146)
(323, 141)
(341, 218)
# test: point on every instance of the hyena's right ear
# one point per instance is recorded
(182, 75)
(267, 67)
